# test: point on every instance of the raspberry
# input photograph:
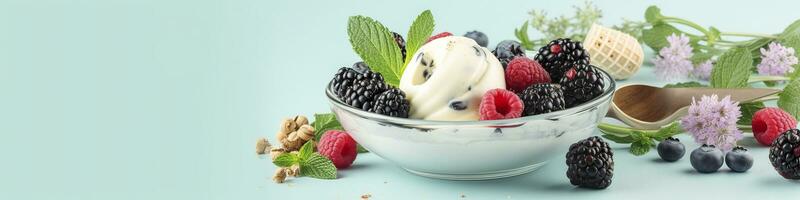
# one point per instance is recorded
(440, 35)
(523, 72)
(500, 104)
(339, 147)
(768, 123)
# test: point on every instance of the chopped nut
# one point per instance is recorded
(262, 145)
(293, 171)
(366, 196)
(280, 175)
(300, 120)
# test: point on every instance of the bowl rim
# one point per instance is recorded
(608, 92)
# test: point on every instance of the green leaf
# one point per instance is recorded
(286, 160)
(732, 69)
(307, 149)
(375, 45)
(670, 130)
(656, 36)
(325, 122)
(789, 99)
(793, 28)
(361, 149)
(691, 84)
(421, 29)
(652, 14)
(317, 166)
(522, 36)
(618, 139)
(641, 147)
(748, 109)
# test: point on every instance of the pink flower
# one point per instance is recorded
(672, 62)
(712, 121)
(777, 60)
(703, 70)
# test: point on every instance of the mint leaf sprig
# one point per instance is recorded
(374, 43)
(641, 140)
(311, 164)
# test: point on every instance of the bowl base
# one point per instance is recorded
(482, 176)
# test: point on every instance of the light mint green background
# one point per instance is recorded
(164, 99)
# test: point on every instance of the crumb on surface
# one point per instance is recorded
(463, 196)
(365, 196)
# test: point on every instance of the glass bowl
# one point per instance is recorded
(473, 150)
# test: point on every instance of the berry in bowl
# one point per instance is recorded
(459, 114)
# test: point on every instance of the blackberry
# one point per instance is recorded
(560, 55)
(360, 67)
(479, 37)
(342, 80)
(590, 163)
(392, 102)
(784, 154)
(507, 50)
(365, 88)
(581, 84)
(400, 43)
(542, 98)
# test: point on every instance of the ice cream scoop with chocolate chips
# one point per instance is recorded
(447, 77)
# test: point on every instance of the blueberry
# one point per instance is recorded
(479, 37)
(706, 159)
(671, 149)
(738, 160)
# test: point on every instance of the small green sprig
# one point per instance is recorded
(376, 46)
(311, 164)
(641, 140)
(551, 28)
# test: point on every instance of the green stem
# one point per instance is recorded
(687, 23)
(759, 78)
(621, 130)
(745, 128)
(755, 35)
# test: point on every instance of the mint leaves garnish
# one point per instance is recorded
(312, 164)
(789, 99)
(641, 140)
(733, 69)
(317, 166)
(324, 122)
(421, 29)
(691, 84)
(375, 45)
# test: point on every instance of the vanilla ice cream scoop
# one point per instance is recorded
(447, 77)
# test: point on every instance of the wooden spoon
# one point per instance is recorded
(648, 107)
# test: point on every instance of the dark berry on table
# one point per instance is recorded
(542, 98)
(581, 84)
(590, 163)
(560, 55)
(400, 43)
(507, 50)
(343, 80)
(361, 67)
(479, 37)
(784, 154)
(523, 72)
(366, 87)
(738, 160)
(671, 149)
(500, 104)
(392, 102)
(706, 159)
